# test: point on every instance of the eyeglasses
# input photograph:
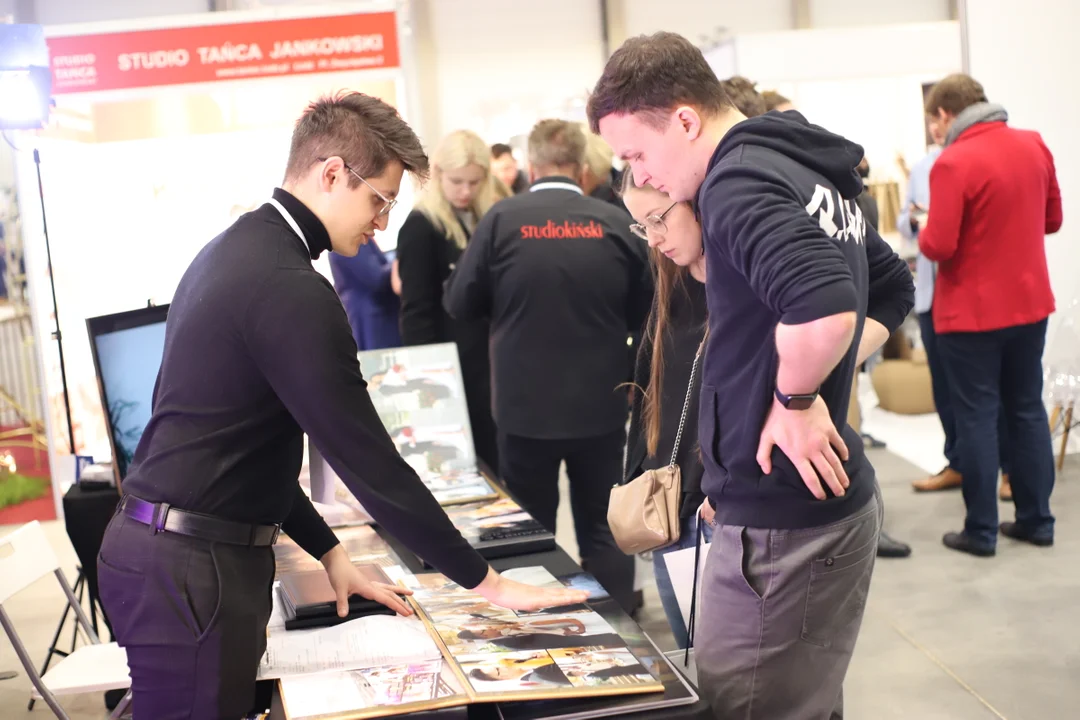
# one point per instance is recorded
(388, 204)
(653, 223)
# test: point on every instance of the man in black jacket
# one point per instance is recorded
(563, 280)
(800, 291)
(258, 351)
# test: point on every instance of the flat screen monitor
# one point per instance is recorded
(127, 349)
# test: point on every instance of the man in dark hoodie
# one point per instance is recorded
(800, 291)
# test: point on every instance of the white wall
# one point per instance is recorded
(498, 65)
(695, 18)
(1035, 80)
(57, 12)
(875, 103)
(860, 13)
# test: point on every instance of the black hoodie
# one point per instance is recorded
(785, 242)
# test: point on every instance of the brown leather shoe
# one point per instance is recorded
(1005, 493)
(947, 479)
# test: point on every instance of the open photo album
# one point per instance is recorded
(486, 654)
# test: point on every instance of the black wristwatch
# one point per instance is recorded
(796, 402)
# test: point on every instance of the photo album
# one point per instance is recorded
(486, 654)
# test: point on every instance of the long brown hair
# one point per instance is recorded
(670, 279)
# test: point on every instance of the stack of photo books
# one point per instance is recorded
(500, 528)
(308, 600)
(489, 654)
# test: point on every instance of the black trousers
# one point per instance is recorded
(192, 617)
(943, 403)
(988, 370)
(530, 468)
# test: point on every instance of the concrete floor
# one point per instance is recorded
(945, 635)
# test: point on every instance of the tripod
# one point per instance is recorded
(80, 588)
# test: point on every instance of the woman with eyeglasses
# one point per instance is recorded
(462, 189)
(673, 334)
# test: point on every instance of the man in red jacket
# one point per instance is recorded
(994, 197)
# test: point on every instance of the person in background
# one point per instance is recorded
(662, 380)
(800, 292)
(505, 167)
(744, 95)
(596, 173)
(994, 197)
(430, 242)
(866, 201)
(563, 281)
(776, 101)
(366, 288)
(911, 218)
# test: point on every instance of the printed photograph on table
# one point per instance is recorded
(372, 692)
(485, 632)
(362, 544)
(420, 398)
(512, 672)
(515, 655)
(488, 520)
(592, 667)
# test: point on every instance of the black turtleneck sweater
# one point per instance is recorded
(258, 351)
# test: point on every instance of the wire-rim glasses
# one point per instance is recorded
(388, 203)
(653, 223)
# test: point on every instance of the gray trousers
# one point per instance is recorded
(780, 613)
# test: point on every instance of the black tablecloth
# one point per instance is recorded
(86, 515)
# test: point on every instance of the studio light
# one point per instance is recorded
(25, 78)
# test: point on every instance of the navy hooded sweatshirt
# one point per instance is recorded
(785, 242)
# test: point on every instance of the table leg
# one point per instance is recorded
(1065, 438)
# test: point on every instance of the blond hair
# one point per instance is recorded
(598, 156)
(457, 150)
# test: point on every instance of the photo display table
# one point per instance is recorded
(558, 563)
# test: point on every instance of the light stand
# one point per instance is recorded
(57, 334)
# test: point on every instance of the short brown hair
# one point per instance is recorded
(773, 100)
(954, 94)
(556, 143)
(365, 132)
(651, 74)
(744, 96)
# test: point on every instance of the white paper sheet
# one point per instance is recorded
(680, 565)
(363, 643)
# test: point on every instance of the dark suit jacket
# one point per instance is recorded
(363, 284)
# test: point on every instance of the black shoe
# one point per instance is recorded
(964, 543)
(113, 698)
(1017, 532)
(888, 547)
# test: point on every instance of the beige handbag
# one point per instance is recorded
(644, 513)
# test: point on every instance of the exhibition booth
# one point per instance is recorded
(163, 132)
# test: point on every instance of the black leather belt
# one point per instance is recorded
(161, 517)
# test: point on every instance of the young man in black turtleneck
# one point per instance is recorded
(258, 351)
(563, 281)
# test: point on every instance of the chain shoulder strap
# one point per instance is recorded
(686, 404)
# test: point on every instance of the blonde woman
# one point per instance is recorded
(434, 235)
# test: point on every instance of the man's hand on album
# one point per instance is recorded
(347, 580)
(810, 440)
(511, 594)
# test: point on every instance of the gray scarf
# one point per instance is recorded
(973, 115)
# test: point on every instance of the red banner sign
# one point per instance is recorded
(209, 53)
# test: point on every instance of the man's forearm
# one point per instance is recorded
(809, 352)
(874, 335)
